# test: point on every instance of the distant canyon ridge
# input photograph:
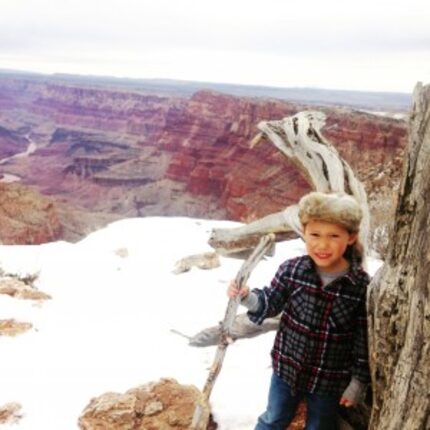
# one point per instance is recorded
(75, 157)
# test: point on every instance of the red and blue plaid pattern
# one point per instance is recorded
(322, 337)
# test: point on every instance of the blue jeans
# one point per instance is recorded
(282, 406)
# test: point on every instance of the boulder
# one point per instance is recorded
(27, 217)
(161, 405)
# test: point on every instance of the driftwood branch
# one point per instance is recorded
(225, 327)
(300, 139)
(241, 328)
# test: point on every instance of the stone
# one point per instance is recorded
(10, 413)
(11, 327)
(121, 252)
(206, 261)
(161, 405)
(17, 288)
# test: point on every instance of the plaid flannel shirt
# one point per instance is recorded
(322, 337)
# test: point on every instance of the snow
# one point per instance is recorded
(394, 115)
(6, 177)
(109, 324)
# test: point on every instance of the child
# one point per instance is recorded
(320, 349)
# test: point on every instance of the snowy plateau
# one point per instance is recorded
(108, 327)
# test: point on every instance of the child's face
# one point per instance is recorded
(326, 243)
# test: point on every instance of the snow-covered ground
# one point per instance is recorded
(395, 115)
(108, 325)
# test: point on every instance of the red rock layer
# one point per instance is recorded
(209, 140)
(136, 154)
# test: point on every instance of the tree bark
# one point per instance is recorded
(399, 295)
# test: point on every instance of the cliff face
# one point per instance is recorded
(11, 143)
(27, 217)
(135, 154)
(209, 144)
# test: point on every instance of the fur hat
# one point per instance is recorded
(339, 208)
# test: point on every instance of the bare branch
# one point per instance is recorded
(241, 279)
(300, 139)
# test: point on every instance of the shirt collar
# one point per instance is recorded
(353, 273)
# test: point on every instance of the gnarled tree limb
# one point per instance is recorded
(300, 139)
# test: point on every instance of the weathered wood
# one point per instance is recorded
(227, 241)
(241, 328)
(399, 295)
(300, 139)
(225, 327)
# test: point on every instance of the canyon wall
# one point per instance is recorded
(133, 154)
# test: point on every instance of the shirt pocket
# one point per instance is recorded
(297, 305)
(343, 315)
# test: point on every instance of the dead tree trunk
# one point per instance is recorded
(399, 296)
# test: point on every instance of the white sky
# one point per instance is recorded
(376, 45)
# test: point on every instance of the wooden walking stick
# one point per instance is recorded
(225, 326)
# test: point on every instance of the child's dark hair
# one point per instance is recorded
(355, 252)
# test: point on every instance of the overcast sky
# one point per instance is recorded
(378, 45)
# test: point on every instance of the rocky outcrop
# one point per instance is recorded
(10, 413)
(19, 289)
(27, 217)
(12, 327)
(157, 405)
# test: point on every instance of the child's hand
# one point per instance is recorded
(346, 402)
(233, 290)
